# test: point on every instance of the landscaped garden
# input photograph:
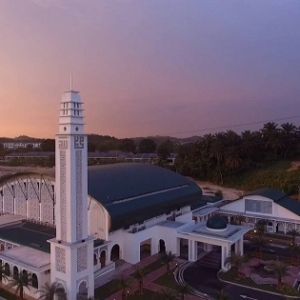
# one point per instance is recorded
(266, 271)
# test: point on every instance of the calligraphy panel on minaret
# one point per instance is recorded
(79, 204)
(63, 195)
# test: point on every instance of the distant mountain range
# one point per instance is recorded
(158, 139)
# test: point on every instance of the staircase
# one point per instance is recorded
(211, 260)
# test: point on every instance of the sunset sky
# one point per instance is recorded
(149, 67)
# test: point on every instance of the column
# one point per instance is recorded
(237, 247)
(284, 227)
(192, 250)
(178, 247)
(241, 246)
(224, 256)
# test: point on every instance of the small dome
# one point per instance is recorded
(216, 222)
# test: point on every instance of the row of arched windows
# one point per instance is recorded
(15, 274)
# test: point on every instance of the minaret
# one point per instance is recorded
(72, 249)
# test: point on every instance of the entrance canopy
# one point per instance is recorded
(213, 232)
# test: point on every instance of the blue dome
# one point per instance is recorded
(216, 222)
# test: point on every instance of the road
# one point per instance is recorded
(205, 280)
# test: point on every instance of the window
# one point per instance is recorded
(258, 206)
(7, 269)
(34, 281)
(16, 273)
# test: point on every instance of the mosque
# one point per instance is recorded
(77, 224)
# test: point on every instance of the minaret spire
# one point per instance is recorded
(71, 82)
(72, 249)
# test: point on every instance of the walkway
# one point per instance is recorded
(148, 281)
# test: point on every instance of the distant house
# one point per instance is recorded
(21, 144)
(281, 211)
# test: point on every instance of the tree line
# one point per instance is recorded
(223, 155)
(108, 143)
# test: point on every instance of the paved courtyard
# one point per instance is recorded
(148, 281)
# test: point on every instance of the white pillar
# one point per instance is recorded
(224, 256)
(242, 246)
(237, 247)
(192, 250)
(178, 247)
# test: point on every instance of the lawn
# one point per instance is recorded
(7, 295)
(167, 280)
(147, 295)
(230, 277)
(107, 289)
(152, 267)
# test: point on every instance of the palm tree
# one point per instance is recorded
(281, 270)
(221, 295)
(50, 290)
(293, 233)
(240, 219)
(167, 258)
(261, 227)
(259, 244)
(183, 289)
(139, 274)
(235, 260)
(168, 294)
(124, 284)
(20, 282)
(2, 272)
(295, 252)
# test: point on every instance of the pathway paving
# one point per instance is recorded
(148, 281)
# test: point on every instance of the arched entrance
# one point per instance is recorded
(95, 259)
(115, 253)
(82, 291)
(145, 249)
(103, 258)
(15, 273)
(162, 246)
(2, 247)
(62, 292)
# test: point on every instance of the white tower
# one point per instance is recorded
(72, 249)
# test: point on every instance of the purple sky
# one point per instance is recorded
(147, 67)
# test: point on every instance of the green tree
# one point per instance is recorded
(164, 149)
(294, 233)
(51, 290)
(235, 260)
(295, 252)
(240, 219)
(259, 244)
(48, 145)
(127, 145)
(2, 272)
(260, 228)
(168, 294)
(183, 289)
(19, 283)
(281, 270)
(146, 145)
(139, 275)
(124, 284)
(167, 259)
(221, 295)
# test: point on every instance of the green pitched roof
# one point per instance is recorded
(280, 198)
(134, 192)
(29, 234)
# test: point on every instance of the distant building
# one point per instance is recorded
(21, 144)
